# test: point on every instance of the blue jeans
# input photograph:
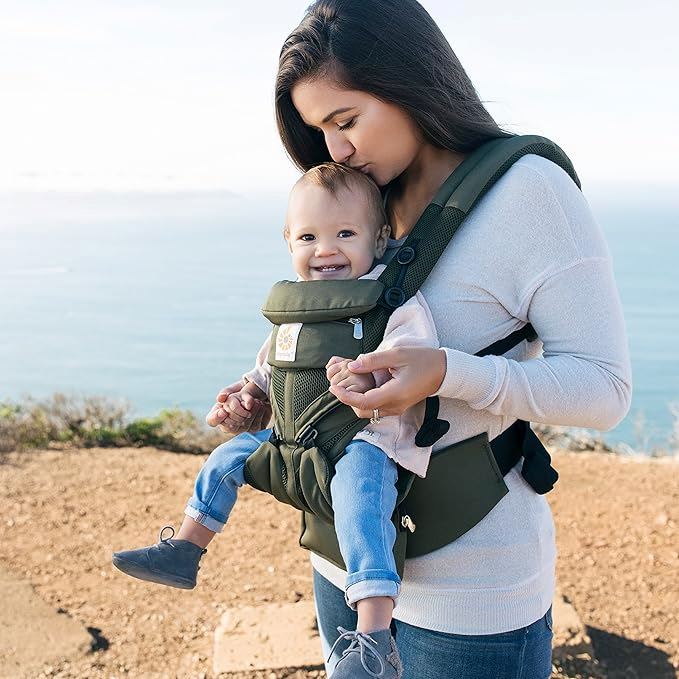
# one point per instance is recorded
(525, 653)
(363, 492)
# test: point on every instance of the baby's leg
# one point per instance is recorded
(216, 488)
(363, 494)
(175, 562)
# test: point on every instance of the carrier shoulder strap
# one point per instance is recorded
(430, 236)
(466, 185)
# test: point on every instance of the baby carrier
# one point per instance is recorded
(315, 320)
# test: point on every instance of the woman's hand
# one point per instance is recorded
(416, 372)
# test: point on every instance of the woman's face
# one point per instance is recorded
(360, 130)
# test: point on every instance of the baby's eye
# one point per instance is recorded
(307, 237)
(345, 233)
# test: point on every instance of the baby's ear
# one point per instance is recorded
(382, 240)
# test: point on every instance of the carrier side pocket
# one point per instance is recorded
(462, 485)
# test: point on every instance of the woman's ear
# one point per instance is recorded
(382, 240)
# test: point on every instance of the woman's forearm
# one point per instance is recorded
(584, 377)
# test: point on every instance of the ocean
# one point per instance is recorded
(154, 298)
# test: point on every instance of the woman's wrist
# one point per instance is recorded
(442, 365)
(467, 377)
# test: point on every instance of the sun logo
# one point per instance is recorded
(285, 339)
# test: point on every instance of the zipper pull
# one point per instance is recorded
(408, 523)
(358, 327)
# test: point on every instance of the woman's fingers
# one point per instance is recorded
(387, 398)
(365, 363)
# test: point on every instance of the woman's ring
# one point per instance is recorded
(376, 416)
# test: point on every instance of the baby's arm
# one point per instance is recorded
(261, 373)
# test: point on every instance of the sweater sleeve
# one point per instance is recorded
(553, 253)
(583, 378)
(261, 373)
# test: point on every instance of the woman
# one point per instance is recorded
(374, 84)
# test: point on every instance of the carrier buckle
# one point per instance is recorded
(306, 436)
(394, 297)
(408, 523)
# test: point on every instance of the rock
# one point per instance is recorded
(54, 635)
(267, 638)
(570, 636)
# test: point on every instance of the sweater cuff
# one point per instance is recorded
(468, 378)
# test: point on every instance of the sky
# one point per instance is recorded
(164, 96)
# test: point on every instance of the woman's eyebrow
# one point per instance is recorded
(330, 116)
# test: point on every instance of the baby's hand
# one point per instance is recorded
(240, 407)
(339, 375)
(243, 407)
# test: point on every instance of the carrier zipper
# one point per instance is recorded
(358, 327)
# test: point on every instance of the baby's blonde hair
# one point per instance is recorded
(333, 177)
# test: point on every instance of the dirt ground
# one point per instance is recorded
(62, 514)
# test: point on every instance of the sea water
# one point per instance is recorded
(155, 298)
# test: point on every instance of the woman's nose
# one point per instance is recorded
(339, 147)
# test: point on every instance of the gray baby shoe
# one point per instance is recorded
(170, 562)
(368, 655)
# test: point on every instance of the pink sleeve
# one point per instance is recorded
(261, 373)
(411, 325)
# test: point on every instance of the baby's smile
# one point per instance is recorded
(330, 271)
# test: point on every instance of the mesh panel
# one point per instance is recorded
(327, 445)
(309, 385)
(278, 388)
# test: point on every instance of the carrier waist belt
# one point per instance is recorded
(519, 441)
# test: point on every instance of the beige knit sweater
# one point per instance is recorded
(530, 251)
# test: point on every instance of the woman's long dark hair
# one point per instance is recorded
(391, 49)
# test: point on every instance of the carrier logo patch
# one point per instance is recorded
(286, 341)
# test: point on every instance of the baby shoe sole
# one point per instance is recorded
(149, 575)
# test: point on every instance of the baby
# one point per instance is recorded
(335, 229)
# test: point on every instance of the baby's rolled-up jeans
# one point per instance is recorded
(363, 493)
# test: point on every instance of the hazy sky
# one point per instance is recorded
(168, 95)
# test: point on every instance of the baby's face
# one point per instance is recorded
(332, 237)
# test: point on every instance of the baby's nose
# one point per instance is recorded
(325, 248)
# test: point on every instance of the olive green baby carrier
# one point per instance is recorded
(315, 320)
